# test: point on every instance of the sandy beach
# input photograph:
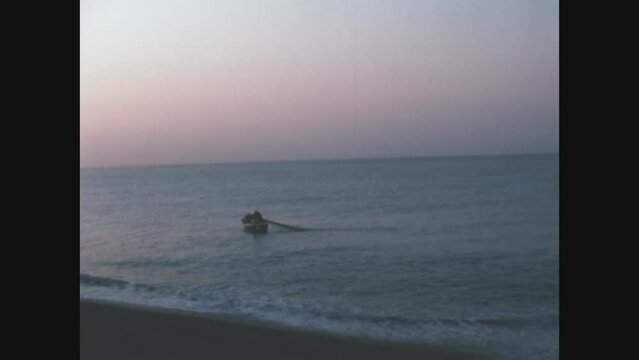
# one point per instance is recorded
(110, 331)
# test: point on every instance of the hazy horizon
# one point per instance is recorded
(325, 160)
(202, 82)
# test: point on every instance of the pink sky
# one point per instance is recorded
(166, 82)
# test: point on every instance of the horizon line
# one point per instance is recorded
(312, 160)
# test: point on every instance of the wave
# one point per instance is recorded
(107, 282)
(92, 280)
(150, 261)
(267, 304)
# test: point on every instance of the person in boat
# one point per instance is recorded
(257, 216)
(248, 218)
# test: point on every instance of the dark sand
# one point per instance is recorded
(109, 331)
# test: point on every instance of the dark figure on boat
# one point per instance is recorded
(247, 219)
(253, 218)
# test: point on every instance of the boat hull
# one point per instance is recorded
(260, 227)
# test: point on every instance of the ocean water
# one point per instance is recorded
(453, 251)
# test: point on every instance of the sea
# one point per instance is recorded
(459, 252)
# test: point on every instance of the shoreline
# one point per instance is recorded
(120, 331)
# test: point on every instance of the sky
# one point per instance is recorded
(209, 81)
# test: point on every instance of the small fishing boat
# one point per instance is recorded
(254, 223)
